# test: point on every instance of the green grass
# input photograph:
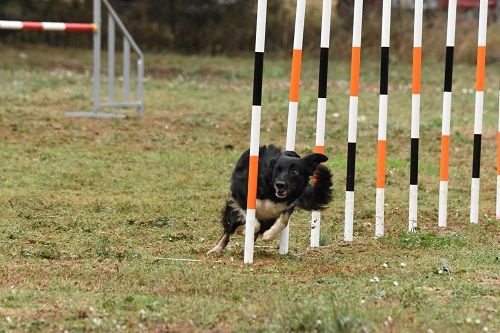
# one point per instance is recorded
(90, 211)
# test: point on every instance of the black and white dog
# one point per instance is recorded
(285, 182)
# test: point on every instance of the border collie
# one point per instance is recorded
(285, 182)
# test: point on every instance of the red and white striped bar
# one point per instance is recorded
(446, 118)
(321, 111)
(382, 117)
(353, 120)
(415, 114)
(294, 98)
(47, 26)
(478, 112)
(260, 36)
(498, 161)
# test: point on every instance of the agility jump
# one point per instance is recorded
(47, 26)
(95, 28)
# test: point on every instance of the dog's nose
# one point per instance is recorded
(280, 185)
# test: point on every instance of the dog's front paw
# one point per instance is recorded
(269, 235)
(215, 252)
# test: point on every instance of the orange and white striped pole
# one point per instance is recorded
(260, 36)
(498, 160)
(478, 112)
(47, 26)
(294, 98)
(353, 120)
(382, 117)
(446, 118)
(415, 113)
(321, 111)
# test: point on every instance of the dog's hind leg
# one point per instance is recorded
(232, 218)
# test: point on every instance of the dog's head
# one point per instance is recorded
(291, 172)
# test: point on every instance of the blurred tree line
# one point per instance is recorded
(190, 26)
(228, 26)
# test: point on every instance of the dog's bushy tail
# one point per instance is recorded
(319, 193)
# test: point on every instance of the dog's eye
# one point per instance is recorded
(294, 172)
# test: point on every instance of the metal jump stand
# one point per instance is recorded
(128, 41)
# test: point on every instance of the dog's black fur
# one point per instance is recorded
(285, 182)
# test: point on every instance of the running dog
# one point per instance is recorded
(285, 182)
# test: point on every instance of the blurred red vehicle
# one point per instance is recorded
(468, 3)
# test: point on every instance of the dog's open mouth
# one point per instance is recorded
(281, 194)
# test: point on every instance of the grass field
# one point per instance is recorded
(90, 211)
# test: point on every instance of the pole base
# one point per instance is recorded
(100, 115)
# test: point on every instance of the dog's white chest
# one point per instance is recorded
(266, 209)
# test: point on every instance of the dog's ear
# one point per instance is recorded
(272, 162)
(313, 160)
(290, 153)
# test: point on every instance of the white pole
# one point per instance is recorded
(321, 110)
(478, 112)
(415, 114)
(382, 117)
(446, 118)
(294, 98)
(260, 37)
(498, 161)
(353, 120)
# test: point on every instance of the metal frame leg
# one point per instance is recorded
(128, 43)
(140, 86)
(111, 59)
(126, 70)
(96, 84)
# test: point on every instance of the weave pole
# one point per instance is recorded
(321, 110)
(478, 112)
(353, 120)
(382, 117)
(415, 114)
(446, 118)
(260, 36)
(294, 98)
(498, 160)
(47, 26)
